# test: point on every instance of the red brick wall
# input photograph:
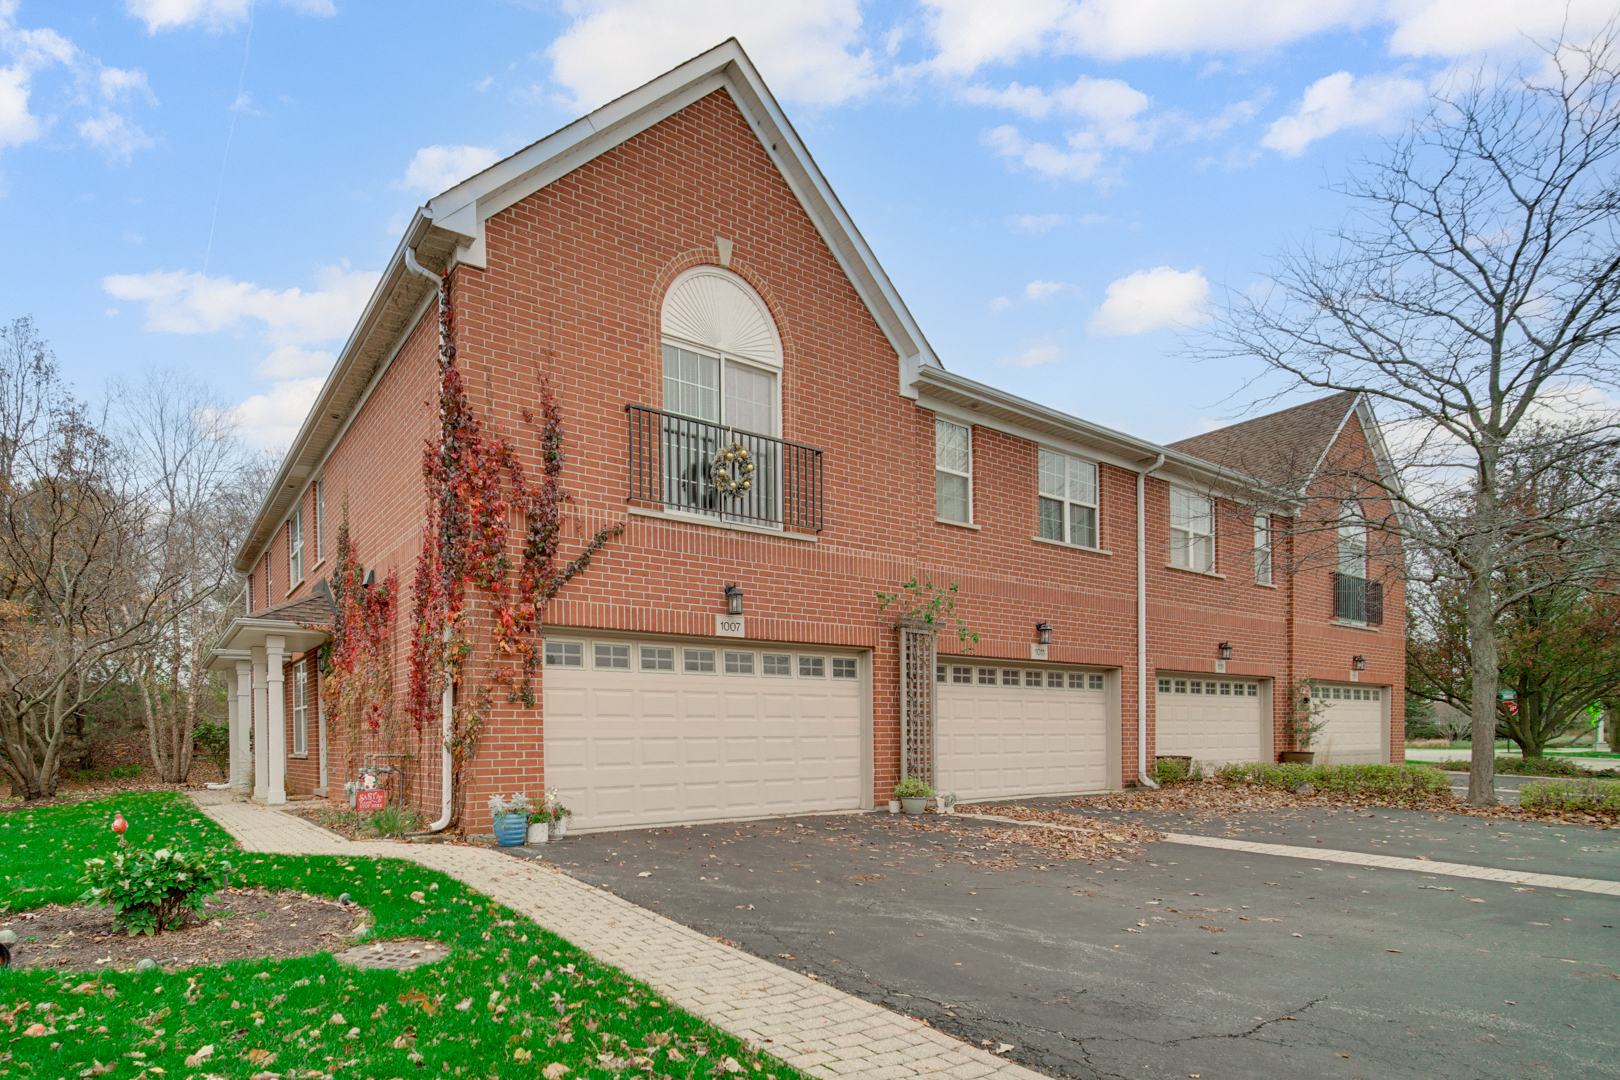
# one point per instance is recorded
(576, 274)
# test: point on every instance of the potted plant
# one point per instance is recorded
(510, 817)
(913, 794)
(539, 825)
(946, 804)
(894, 806)
(559, 814)
(1307, 715)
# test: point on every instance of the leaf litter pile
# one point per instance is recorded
(989, 845)
(510, 1000)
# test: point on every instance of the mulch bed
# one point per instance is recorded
(240, 924)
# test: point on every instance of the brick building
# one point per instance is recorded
(679, 273)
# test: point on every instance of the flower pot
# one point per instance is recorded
(1300, 757)
(510, 829)
(940, 805)
(915, 806)
(894, 806)
(559, 828)
(539, 832)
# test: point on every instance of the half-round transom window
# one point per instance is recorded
(722, 352)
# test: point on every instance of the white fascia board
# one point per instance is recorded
(969, 417)
(464, 208)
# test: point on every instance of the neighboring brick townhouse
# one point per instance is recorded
(679, 273)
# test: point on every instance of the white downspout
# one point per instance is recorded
(447, 708)
(1141, 624)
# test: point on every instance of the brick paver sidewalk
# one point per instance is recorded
(825, 1032)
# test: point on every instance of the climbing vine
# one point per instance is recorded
(357, 669)
(475, 486)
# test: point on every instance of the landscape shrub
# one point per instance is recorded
(1393, 781)
(152, 891)
(1584, 796)
(1544, 766)
(394, 821)
(1176, 770)
(213, 743)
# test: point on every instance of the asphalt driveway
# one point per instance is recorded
(1190, 961)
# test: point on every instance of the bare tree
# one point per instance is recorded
(1475, 297)
(199, 486)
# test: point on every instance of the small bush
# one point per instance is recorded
(1585, 796)
(1175, 770)
(1544, 766)
(213, 743)
(912, 788)
(1395, 781)
(152, 891)
(394, 821)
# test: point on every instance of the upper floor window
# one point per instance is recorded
(1262, 549)
(320, 520)
(1352, 543)
(722, 353)
(1192, 531)
(953, 471)
(1068, 499)
(295, 548)
(1355, 598)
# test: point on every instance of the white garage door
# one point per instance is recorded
(654, 732)
(1004, 731)
(1355, 731)
(1211, 720)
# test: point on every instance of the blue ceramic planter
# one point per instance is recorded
(510, 829)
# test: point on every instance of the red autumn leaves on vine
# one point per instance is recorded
(359, 670)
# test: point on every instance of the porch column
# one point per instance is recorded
(276, 718)
(320, 730)
(241, 695)
(261, 730)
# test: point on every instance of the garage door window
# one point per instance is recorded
(961, 675)
(843, 667)
(739, 663)
(698, 661)
(1009, 677)
(1204, 687)
(565, 654)
(987, 676)
(612, 657)
(812, 667)
(778, 666)
(657, 658)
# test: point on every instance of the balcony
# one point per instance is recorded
(1357, 600)
(697, 467)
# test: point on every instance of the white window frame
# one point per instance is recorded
(942, 424)
(320, 521)
(300, 709)
(295, 548)
(563, 653)
(1262, 550)
(1063, 499)
(1353, 532)
(1183, 538)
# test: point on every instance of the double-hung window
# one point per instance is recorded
(300, 708)
(953, 472)
(295, 548)
(1068, 499)
(1262, 549)
(1192, 531)
(320, 520)
(1355, 599)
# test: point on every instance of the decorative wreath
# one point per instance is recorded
(732, 473)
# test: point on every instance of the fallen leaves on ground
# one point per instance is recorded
(1090, 839)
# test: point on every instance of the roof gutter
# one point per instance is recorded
(1141, 622)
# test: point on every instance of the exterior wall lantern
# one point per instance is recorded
(734, 599)
(1223, 651)
(1358, 663)
(1043, 633)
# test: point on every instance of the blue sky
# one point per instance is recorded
(1061, 190)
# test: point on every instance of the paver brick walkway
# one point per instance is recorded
(803, 1022)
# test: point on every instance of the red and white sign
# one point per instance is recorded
(1513, 708)
(374, 799)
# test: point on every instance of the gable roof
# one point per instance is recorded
(450, 230)
(1284, 449)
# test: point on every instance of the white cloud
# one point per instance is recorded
(115, 134)
(1053, 162)
(1112, 118)
(1152, 300)
(214, 15)
(273, 419)
(118, 84)
(1035, 224)
(1044, 351)
(295, 362)
(184, 302)
(1000, 304)
(1340, 101)
(1040, 290)
(1461, 27)
(809, 49)
(440, 168)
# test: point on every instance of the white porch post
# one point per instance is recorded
(261, 730)
(320, 733)
(241, 694)
(276, 719)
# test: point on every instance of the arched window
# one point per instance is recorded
(722, 393)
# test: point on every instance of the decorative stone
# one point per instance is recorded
(146, 965)
(7, 937)
(345, 898)
(399, 955)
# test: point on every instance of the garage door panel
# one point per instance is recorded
(1355, 730)
(633, 747)
(1211, 720)
(1003, 740)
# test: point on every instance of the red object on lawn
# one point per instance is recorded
(370, 800)
(119, 824)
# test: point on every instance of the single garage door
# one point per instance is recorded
(1356, 732)
(1003, 731)
(655, 732)
(1211, 720)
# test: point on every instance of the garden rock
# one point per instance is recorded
(401, 954)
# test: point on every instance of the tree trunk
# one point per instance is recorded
(1483, 653)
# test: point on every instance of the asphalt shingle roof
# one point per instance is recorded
(1280, 448)
(312, 610)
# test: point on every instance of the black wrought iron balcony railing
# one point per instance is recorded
(681, 463)
(1358, 600)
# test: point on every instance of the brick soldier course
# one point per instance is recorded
(560, 260)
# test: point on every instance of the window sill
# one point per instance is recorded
(299, 757)
(1348, 625)
(958, 524)
(318, 564)
(1071, 547)
(1265, 585)
(296, 586)
(728, 526)
(1195, 573)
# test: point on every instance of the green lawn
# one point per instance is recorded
(512, 1000)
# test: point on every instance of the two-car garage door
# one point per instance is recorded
(652, 732)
